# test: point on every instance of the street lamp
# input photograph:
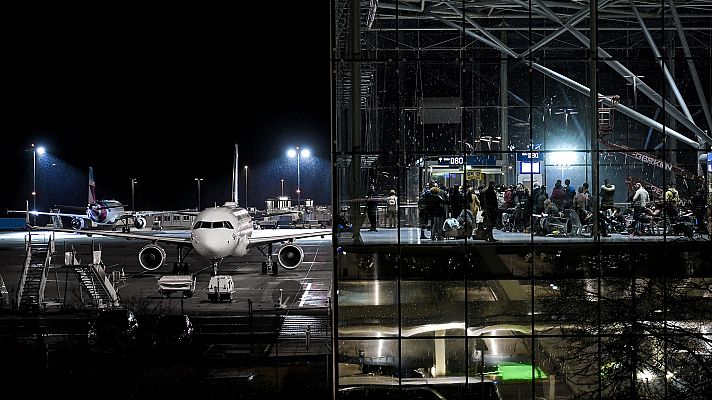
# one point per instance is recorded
(133, 182)
(35, 150)
(296, 152)
(245, 187)
(198, 180)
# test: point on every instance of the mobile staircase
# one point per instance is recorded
(39, 249)
(93, 278)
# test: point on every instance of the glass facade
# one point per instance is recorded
(503, 233)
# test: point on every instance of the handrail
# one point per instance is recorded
(23, 276)
(106, 283)
(45, 269)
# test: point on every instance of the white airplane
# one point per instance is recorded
(101, 212)
(218, 233)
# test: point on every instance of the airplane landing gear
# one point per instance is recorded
(180, 267)
(269, 263)
(215, 262)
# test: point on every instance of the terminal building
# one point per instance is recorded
(604, 295)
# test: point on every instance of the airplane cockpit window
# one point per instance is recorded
(213, 225)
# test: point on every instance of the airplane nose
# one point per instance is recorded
(208, 245)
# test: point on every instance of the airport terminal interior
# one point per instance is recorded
(521, 209)
(522, 190)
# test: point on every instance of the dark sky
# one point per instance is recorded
(162, 94)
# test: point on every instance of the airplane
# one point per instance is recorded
(100, 212)
(218, 232)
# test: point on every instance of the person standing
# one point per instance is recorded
(423, 211)
(491, 208)
(436, 211)
(672, 201)
(392, 209)
(457, 201)
(640, 201)
(372, 209)
(608, 191)
(475, 208)
(588, 196)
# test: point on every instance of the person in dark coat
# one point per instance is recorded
(457, 201)
(436, 210)
(372, 210)
(491, 209)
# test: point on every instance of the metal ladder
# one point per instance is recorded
(38, 257)
(93, 279)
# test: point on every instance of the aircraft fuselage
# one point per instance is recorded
(220, 232)
(105, 212)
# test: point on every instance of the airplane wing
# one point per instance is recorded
(84, 216)
(133, 214)
(285, 237)
(150, 238)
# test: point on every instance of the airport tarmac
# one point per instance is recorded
(257, 343)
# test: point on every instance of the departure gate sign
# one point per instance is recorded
(528, 156)
(456, 161)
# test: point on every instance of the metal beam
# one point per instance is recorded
(492, 38)
(623, 109)
(657, 54)
(691, 65)
(630, 76)
(575, 19)
(467, 32)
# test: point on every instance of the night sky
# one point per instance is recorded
(162, 94)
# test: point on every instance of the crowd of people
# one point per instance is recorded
(474, 212)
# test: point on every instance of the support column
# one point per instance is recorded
(669, 62)
(440, 364)
(504, 110)
(355, 189)
(593, 105)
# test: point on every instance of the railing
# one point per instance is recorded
(23, 276)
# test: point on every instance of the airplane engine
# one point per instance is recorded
(140, 222)
(77, 223)
(151, 257)
(290, 256)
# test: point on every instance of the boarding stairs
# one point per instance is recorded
(94, 280)
(38, 257)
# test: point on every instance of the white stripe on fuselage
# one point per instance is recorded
(221, 242)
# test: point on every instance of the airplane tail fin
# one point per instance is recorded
(92, 187)
(235, 177)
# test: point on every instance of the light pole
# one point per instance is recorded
(296, 152)
(133, 182)
(198, 180)
(35, 150)
(245, 187)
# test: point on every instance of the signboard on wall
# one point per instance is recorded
(709, 162)
(473, 174)
(456, 161)
(528, 156)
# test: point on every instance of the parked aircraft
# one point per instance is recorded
(218, 232)
(101, 212)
